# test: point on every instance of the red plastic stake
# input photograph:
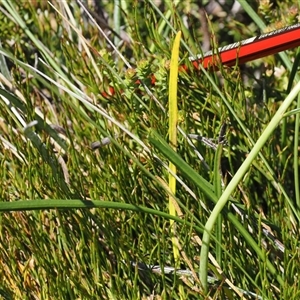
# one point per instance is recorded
(253, 48)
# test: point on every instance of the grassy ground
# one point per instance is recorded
(86, 220)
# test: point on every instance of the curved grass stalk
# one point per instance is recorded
(41, 204)
(235, 181)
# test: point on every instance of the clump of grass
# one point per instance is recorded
(81, 222)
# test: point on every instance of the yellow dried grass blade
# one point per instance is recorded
(173, 115)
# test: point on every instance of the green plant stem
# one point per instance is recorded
(296, 157)
(117, 21)
(218, 192)
(235, 181)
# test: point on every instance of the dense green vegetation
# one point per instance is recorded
(82, 219)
